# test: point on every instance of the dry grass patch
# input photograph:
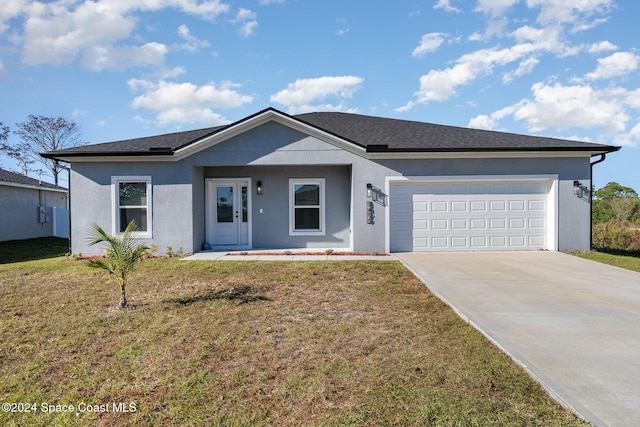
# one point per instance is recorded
(253, 343)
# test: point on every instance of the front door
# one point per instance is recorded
(228, 212)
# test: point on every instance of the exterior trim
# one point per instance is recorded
(207, 201)
(260, 119)
(115, 204)
(322, 207)
(552, 198)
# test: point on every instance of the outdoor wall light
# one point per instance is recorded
(259, 187)
(577, 188)
(369, 190)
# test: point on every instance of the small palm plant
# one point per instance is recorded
(123, 253)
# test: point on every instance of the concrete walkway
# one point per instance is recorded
(573, 324)
(279, 255)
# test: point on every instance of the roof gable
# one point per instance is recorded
(353, 132)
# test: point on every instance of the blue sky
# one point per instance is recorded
(125, 68)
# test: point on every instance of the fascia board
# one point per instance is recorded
(477, 154)
(32, 187)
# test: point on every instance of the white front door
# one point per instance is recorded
(228, 212)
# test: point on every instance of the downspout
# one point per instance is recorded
(602, 157)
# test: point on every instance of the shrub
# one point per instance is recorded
(616, 236)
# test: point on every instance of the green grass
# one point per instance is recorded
(252, 343)
(628, 260)
(32, 249)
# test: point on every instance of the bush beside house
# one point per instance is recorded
(616, 218)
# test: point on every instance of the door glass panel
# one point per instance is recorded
(224, 197)
(244, 203)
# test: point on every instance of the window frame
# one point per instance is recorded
(115, 201)
(320, 182)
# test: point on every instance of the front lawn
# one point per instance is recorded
(250, 343)
(629, 260)
(32, 249)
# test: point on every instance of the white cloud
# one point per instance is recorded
(495, 7)
(618, 64)
(483, 121)
(301, 95)
(440, 85)
(180, 103)
(11, 9)
(193, 44)
(446, 5)
(96, 32)
(430, 42)
(342, 22)
(570, 12)
(247, 21)
(524, 68)
(562, 107)
(120, 58)
(601, 47)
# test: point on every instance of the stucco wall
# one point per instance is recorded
(19, 212)
(171, 204)
(273, 153)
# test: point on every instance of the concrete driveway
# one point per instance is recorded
(573, 324)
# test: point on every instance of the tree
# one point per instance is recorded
(4, 134)
(123, 254)
(615, 202)
(40, 134)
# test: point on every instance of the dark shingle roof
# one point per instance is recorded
(375, 134)
(383, 134)
(16, 178)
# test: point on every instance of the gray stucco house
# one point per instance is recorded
(337, 180)
(30, 208)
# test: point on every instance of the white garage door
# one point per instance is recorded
(469, 215)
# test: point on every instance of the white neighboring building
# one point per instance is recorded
(30, 208)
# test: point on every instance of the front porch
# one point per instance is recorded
(276, 208)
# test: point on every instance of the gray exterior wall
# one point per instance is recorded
(19, 212)
(273, 153)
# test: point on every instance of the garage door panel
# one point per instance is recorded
(517, 223)
(478, 224)
(439, 224)
(497, 223)
(469, 216)
(459, 224)
(537, 223)
(537, 205)
(478, 242)
(459, 206)
(516, 205)
(478, 206)
(459, 242)
(497, 205)
(439, 206)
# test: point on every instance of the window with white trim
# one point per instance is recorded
(132, 202)
(306, 207)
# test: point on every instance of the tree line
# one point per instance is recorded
(37, 135)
